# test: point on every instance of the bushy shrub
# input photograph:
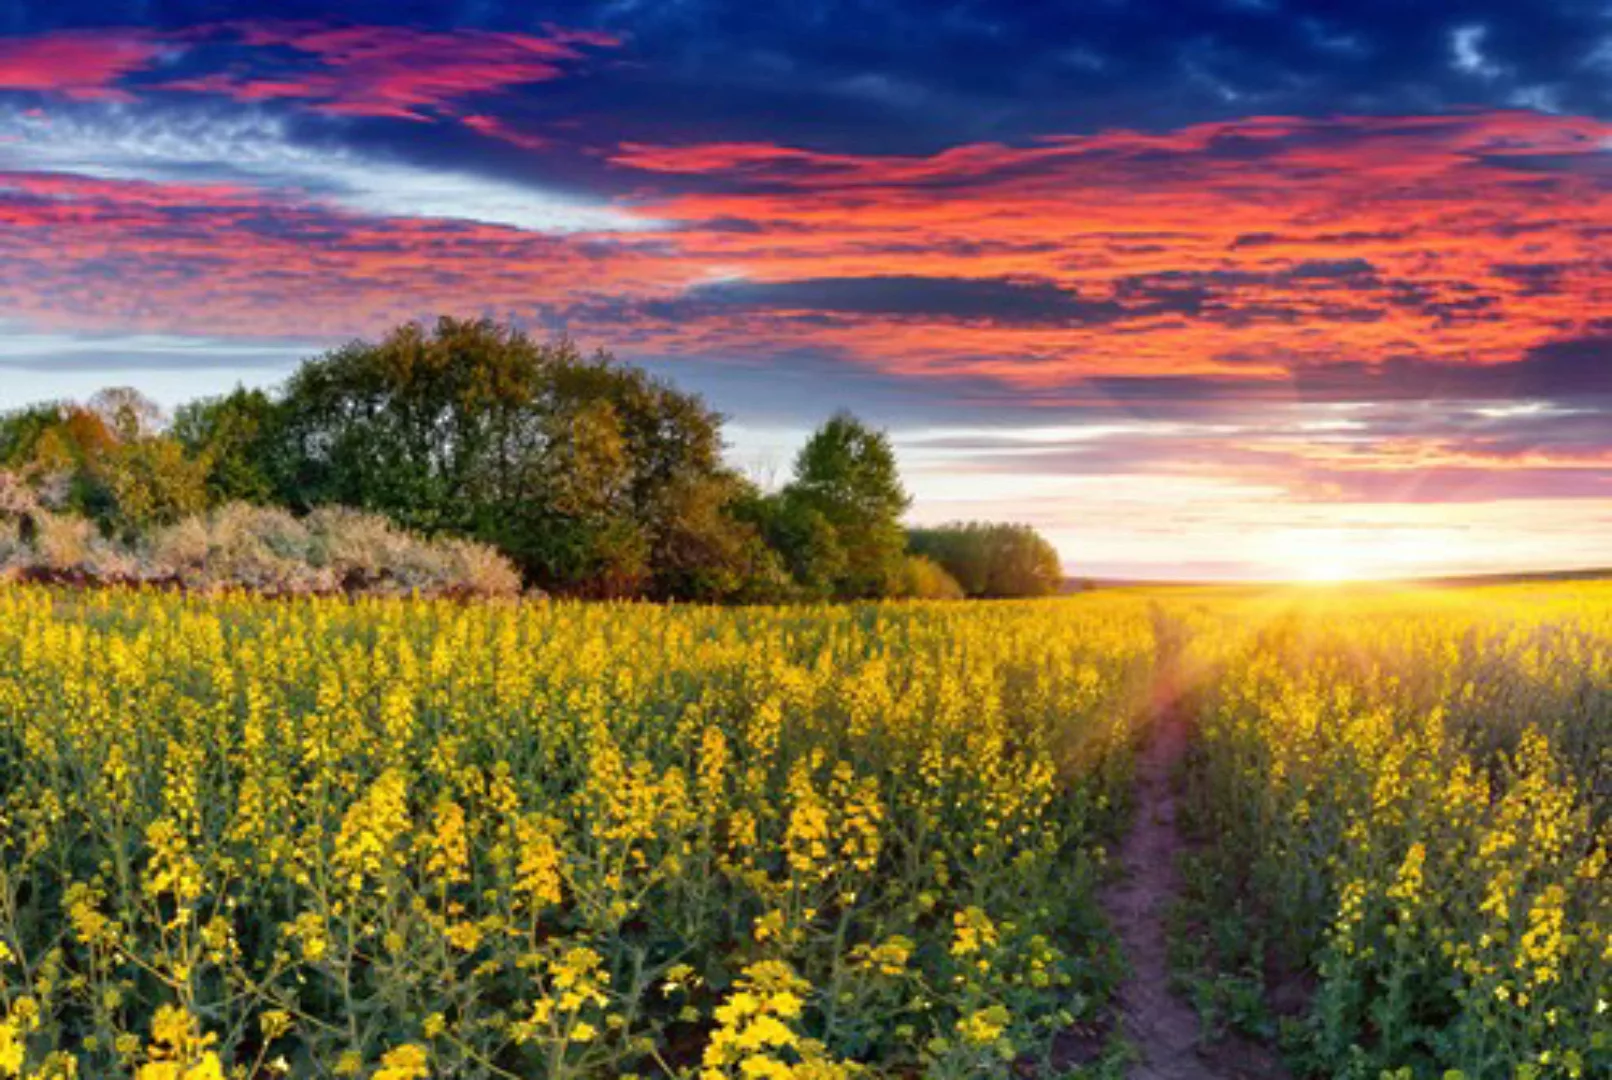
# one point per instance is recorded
(924, 579)
(479, 569)
(263, 549)
(64, 546)
(333, 549)
(17, 499)
(257, 548)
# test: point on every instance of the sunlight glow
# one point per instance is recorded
(1330, 555)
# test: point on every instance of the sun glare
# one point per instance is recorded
(1359, 551)
(1319, 556)
(1328, 572)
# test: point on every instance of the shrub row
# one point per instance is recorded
(239, 546)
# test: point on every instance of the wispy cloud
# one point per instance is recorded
(259, 150)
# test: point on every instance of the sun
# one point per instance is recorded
(1329, 573)
(1320, 556)
(1364, 551)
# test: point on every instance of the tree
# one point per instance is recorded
(57, 449)
(127, 413)
(705, 551)
(150, 482)
(236, 436)
(21, 430)
(847, 473)
(411, 425)
(106, 460)
(924, 579)
(1023, 563)
(594, 476)
(992, 560)
(807, 546)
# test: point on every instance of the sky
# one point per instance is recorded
(1222, 288)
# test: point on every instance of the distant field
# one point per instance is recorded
(400, 839)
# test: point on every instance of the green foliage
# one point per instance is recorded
(807, 545)
(150, 482)
(427, 426)
(704, 549)
(236, 435)
(596, 478)
(22, 429)
(992, 560)
(847, 474)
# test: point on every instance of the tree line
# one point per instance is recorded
(594, 477)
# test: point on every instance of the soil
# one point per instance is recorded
(1163, 1028)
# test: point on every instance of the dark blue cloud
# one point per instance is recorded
(1572, 369)
(1575, 371)
(1001, 301)
(901, 75)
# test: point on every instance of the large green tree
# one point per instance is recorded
(594, 476)
(414, 425)
(846, 474)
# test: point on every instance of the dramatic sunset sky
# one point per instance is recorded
(1216, 288)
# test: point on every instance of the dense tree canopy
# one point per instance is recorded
(595, 477)
(992, 560)
(237, 435)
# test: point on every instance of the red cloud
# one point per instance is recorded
(88, 254)
(1250, 250)
(494, 128)
(82, 65)
(356, 70)
(389, 71)
(1252, 247)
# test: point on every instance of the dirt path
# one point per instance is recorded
(1164, 1028)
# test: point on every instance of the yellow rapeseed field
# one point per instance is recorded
(396, 839)
(1408, 799)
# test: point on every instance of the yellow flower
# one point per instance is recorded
(984, 1027)
(366, 847)
(407, 1062)
(179, 1051)
(972, 933)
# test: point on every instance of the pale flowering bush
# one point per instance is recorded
(267, 549)
(263, 549)
(259, 549)
(479, 569)
(17, 499)
(72, 548)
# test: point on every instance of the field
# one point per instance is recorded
(406, 839)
